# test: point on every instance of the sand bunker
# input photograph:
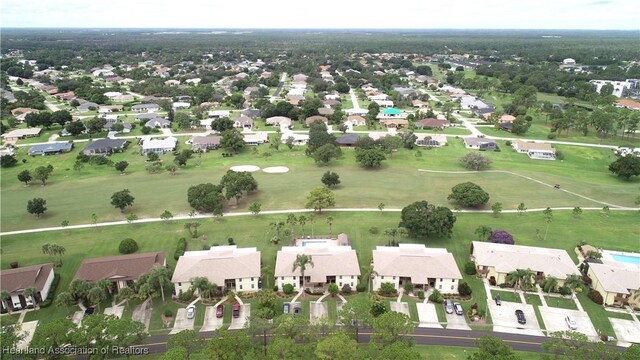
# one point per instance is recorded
(245, 168)
(276, 170)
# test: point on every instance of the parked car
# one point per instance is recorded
(297, 311)
(520, 315)
(220, 311)
(191, 312)
(458, 308)
(448, 306)
(236, 310)
(571, 322)
(88, 311)
(498, 300)
(286, 307)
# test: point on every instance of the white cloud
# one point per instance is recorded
(487, 14)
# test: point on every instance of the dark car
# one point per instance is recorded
(297, 310)
(89, 311)
(236, 310)
(521, 319)
(458, 308)
(498, 300)
(220, 311)
(286, 307)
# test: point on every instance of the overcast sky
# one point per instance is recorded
(414, 14)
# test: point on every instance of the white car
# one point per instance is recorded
(571, 322)
(191, 312)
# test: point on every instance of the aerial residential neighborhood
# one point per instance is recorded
(323, 194)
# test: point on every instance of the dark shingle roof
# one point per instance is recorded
(121, 268)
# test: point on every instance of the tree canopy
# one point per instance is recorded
(206, 198)
(423, 220)
(468, 194)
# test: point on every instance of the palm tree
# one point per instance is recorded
(526, 281)
(573, 282)
(301, 262)
(95, 296)
(59, 250)
(158, 278)
(107, 287)
(548, 218)
(371, 273)
(302, 220)
(5, 296)
(330, 222)
(277, 227)
(46, 249)
(31, 294)
(201, 284)
(292, 221)
(65, 299)
(549, 284)
(125, 293)
(521, 278)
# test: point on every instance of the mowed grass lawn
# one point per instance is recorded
(614, 232)
(75, 195)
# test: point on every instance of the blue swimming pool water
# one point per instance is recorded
(626, 259)
(308, 242)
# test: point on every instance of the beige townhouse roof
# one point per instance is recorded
(616, 277)
(527, 145)
(327, 261)
(218, 264)
(415, 261)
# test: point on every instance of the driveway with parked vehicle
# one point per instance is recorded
(237, 322)
(182, 322)
(211, 320)
(455, 321)
(555, 320)
(505, 319)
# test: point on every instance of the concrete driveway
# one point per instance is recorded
(181, 322)
(77, 317)
(116, 310)
(428, 316)
(211, 322)
(504, 318)
(142, 313)
(318, 310)
(27, 329)
(627, 331)
(554, 321)
(401, 307)
(238, 323)
(458, 322)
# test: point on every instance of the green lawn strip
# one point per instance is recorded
(457, 352)
(561, 302)
(599, 317)
(158, 308)
(536, 309)
(506, 296)
(442, 317)
(533, 299)
(332, 310)
(617, 315)
(9, 319)
(413, 311)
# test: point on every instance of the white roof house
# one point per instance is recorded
(160, 146)
(506, 258)
(256, 138)
(331, 263)
(228, 266)
(615, 277)
(415, 264)
(219, 113)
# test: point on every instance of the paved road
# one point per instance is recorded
(283, 78)
(354, 100)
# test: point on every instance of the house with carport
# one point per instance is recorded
(617, 282)
(415, 264)
(16, 281)
(121, 270)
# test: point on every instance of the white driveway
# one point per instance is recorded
(211, 322)
(504, 318)
(554, 321)
(27, 329)
(318, 310)
(428, 316)
(116, 310)
(182, 323)
(238, 323)
(401, 307)
(458, 322)
(627, 331)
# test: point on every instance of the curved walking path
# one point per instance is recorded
(273, 212)
(524, 177)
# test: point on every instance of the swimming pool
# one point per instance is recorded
(304, 243)
(629, 259)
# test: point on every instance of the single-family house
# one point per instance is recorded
(430, 140)
(331, 103)
(147, 116)
(628, 104)
(236, 269)
(331, 265)
(415, 264)
(419, 104)
(297, 139)
(50, 148)
(159, 146)
(497, 260)
(121, 270)
(205, 143)
(348, 140)
(282, 121)
(535, 150)
(394, 123)
(67, 96)
(145, 107)
(432, 123)
(617, 282)
(17, 134)
(378, 97)
(356, 120)
(104, 146)
(109, 108)
(569, 61)
(332, 97)
(126, 127)
(243, 122)
(300, 77)
(480, 143)
(384, 103)
(180, 105)
(16, 281)
(158, 122)
(311, 119)
(506, 118)
(252, 113)
(88, 106)
(323, 111)
(216, 114)
(257, 138)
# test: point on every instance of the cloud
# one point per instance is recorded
(599, 2)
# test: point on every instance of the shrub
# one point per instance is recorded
(421, 295)
(287, 289)
(502, 237)
(436, 297)
(186, 296)
(361, 287)
(595, 296)
(559, 155)
(378, 308)
(551, 136)
(505, 285)
(408, 287)
(275, 288)
(14, 264)
(333, 289)
(374, 230)
(587, 280)
(387, 289)
(564, 290)
(346, 289)
(508, 143)
(181, 247)
(167, 313)
(470, 268)
(464, 289)
(128, 246)
(492, 281)
(475, 161)
(46, 303)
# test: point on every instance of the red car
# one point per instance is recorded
(220, 311)
(236, 310)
